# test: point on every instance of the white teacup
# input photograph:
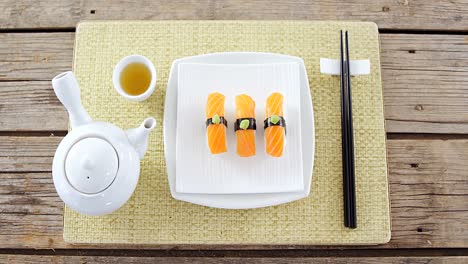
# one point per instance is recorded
(118, 72)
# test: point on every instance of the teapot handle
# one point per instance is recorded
(68, 92)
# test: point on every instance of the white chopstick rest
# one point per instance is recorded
(332, 67)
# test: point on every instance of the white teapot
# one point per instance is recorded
(97, 165)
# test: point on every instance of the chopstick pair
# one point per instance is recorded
(349, 188)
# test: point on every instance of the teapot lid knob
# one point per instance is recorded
(91, 165)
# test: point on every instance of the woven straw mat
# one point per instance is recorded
(152, 216)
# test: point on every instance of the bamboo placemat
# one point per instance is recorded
(152, 216)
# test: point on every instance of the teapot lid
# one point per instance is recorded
(91, 165)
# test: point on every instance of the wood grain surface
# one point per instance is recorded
(33, 57)
(424, 47)
(30, 106)
(398, 14)
(424, 80)
(27, 154)
(229, 260)
(428, 193)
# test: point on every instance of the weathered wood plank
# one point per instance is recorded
(26, 106)
(23, 259)
(30, 211)
(27, 154)
(429, 192)
(424, 78)
(428, 187)
(404, 14)
(39, 14)
(38, 56)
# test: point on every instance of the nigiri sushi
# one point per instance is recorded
(275, 126)
(216, 124)
(245, 125)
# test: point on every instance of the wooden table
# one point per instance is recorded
(425, 77)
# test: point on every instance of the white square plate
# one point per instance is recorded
(251, 200)
(197, 170)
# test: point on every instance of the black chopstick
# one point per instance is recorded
(344, 136)
(349, 189)
(352, 184)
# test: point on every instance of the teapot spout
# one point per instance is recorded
(68, 92)
(138, 137)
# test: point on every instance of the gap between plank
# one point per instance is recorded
(37, 30)
(291, 253)
(381, 31)
(416, 136)
(422, 31)
(57, 133)
(25, 80)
